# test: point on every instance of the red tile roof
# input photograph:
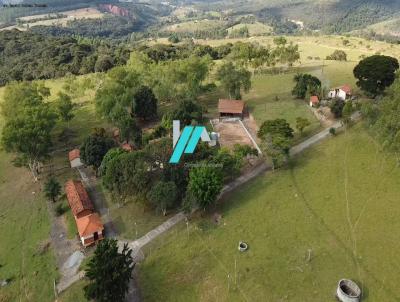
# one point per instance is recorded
(126, 147)
(78, 198)
(74, 154)
(89, 224)
(346, 88)
(231, 106)
(314, 99)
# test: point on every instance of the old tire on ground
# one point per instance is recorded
(348, 291)
(243, 246)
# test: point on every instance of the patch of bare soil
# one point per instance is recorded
(232, 133)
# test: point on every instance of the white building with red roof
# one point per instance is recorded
(343, 92)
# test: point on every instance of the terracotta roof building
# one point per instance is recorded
(78, 199)
(232, 108)
(90, 229)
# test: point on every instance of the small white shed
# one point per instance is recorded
(75, 158)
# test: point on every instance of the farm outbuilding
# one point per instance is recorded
(231, 108)
(74, 157)
(89, 225)
(314, 101)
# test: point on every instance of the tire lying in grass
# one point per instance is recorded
(243, 246)
(348, 291)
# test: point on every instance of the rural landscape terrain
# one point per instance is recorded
(204, 150)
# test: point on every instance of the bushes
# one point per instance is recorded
(337, 55)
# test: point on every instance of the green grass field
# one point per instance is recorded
(340, 201)
(25, 227)
(255, 29)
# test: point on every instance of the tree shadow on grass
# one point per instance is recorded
(119, 225)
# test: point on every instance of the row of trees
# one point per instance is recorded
(147, 175)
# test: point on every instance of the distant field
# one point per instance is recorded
(77, 14)
(255, 29)
(339, 204)
(321, 46)
(192, 26)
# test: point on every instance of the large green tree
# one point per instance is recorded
(163, 195)
(375, 73)
(128, 174)
(29, 122)
(94, 148)
(205, 184)
(234, 80)
(117, 93)
(276, 138)
(64, 107)
(145, 103)
(109, 272)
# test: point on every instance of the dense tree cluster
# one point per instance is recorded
(111, 27)
(28, 56)
(306, 85)
(383, 117)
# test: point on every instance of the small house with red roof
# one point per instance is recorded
(343, 92)
(314, 101)
(231, 108)
(74, 157)
(88, 222)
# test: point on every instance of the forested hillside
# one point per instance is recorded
(28, 56)
(334, 16)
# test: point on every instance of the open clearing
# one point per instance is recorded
(232, 133)
(255, 29)
(340, 201)
(54, 20)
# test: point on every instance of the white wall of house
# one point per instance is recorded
(76, 163)
(337, 93)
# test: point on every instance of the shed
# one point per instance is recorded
(74, 157)
(90, 229)
(231, 108)
(314, 101)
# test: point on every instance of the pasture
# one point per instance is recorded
(332, 215)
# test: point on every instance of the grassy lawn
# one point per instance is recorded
(340, 201)
(25, 229)
(74, 293)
